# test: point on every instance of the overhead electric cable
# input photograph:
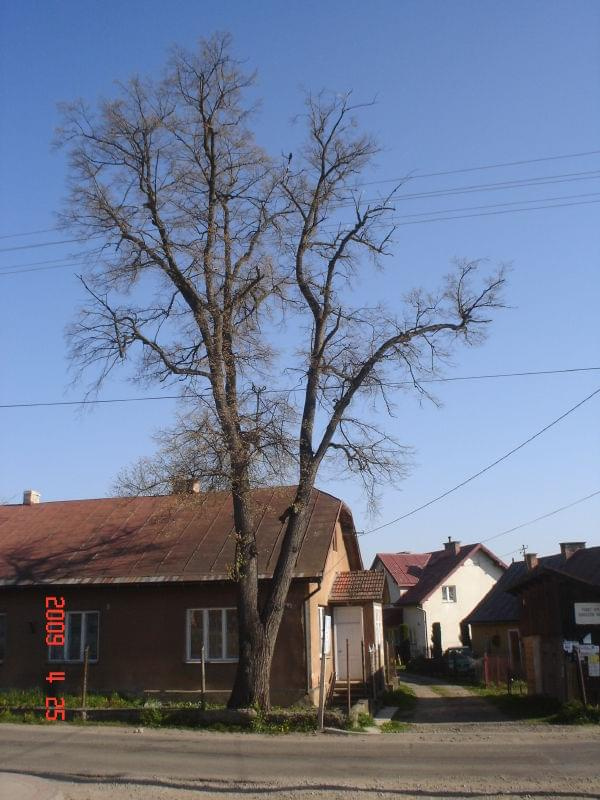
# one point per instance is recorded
(393, 220)
(521, 183)
(487, 468)
(415, 176)
(543, 516)
(42, 244)
(52, 403)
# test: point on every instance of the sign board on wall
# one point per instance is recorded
(588, 649)
(587, 613)
(594, 666)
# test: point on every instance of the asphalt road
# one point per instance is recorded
(492, 754)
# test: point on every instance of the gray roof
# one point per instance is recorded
(498, 605)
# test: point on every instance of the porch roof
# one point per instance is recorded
(357, 586)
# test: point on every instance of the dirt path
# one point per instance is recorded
(438, 701)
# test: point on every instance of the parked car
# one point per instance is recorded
(460, 660)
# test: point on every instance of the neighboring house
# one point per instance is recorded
(552, 592)
(494, 622)
(438, 587)
(146, 583)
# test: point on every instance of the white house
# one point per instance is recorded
(442, 586)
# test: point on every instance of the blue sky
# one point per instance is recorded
(457, 85)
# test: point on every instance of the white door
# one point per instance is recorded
(348, 625)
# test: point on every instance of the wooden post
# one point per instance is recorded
(348, 674)
(321, 717)
(86, 661)
(581, 678)
(372, 665)
(362, 658)
(486, 669)
(203, 677)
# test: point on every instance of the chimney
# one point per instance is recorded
(31, 497)
(186, 486)
(531, 560)
(568, 548)
(451, 548)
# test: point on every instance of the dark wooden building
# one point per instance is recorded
(550, 591)
(146, 583)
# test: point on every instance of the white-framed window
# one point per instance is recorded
(323, 613)
(449, 594)
(81, 630)
(214, 628)
(2, 637)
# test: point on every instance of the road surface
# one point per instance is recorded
(493, 760)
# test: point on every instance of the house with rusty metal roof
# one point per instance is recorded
(432, 592)
(146, 587)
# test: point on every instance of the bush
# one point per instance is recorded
(574, 713)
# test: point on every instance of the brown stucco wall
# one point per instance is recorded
(337, 561)
(142, 639)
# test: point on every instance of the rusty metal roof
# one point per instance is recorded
(358, 585)
(168, 538)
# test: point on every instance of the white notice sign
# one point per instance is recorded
(588, 649)
(594, 666)
(587, 613)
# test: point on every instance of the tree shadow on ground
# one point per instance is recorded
(233, 788)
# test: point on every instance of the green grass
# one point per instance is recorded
(535, 708)
(394, 727)
(28, 698)
(573, 713)
(440, 689)
(403, 698)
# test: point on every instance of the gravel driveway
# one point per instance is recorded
(438, 701)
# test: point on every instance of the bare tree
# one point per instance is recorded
(205, 244)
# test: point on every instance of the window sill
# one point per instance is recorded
(211, 661)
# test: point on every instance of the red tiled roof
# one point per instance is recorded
(170, 538)
(405, 568)
(356, 586)
(424, 572)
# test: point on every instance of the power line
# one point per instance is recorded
(523, 183)
(543, 516)
(417, 176)
(39, 269)
(393, 220)
(498, 205)
(496, 213)
(41, 244)
(30, 233)
(52, 403)
(61, 259)
(485, 469)
(483, 167)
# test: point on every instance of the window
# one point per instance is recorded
(215, 629)
(323, 614)
(449, 594)
(2, 637)
(81, 631)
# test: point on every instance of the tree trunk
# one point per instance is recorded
(253, 676)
